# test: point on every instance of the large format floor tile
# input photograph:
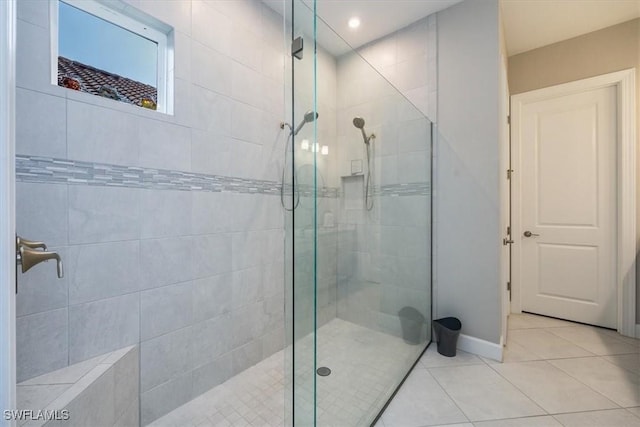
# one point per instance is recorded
(409, 408)
(543, 421)
(546, 344)
(631, 341)
(551, 388)
(450, 425)
(529, 375)
(610, 418)
(594, 340)
(630, 362)
(618, 384)
(381, 424)
(532, 321)
(514, 352)
(482, 394)
(432, 359)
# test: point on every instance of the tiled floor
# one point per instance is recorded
(366, 367)
(255, 397)
(555, 373)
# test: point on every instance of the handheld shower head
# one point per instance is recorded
(359, 123)
(309, 117)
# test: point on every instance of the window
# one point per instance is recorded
(112, 51)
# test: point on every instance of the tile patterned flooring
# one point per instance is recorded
(365, 364)
(254, 397)
(555, 373)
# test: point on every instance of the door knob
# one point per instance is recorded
(529, 234)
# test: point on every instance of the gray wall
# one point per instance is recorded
(193, 275)
(466, 197)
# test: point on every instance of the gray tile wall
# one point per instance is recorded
(385, 254)
(170, 226)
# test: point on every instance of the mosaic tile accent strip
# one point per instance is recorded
(73, 172)
(407, 189)
(307, 191)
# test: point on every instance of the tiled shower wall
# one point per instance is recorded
(191, 271)
(312, 250)
(385, 254)
(170, 227)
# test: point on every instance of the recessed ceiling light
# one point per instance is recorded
(354, 22)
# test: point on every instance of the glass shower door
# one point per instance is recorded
(300, 210)
(358, 231)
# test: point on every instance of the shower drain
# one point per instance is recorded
(323, 371)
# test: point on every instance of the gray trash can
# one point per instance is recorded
(411, 321)
(447, 331)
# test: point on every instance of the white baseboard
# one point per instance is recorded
(637, 330)
(480, 347)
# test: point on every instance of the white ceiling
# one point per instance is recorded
(378, 18)
(529, 24)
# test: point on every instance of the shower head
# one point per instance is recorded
(309, 117)
(359, 123)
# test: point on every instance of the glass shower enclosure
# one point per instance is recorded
(357, 198)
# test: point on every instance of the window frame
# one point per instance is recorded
(128, 18)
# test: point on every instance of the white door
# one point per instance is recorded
(567, 158)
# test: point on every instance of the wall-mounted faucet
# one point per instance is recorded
(21, 241)
(28, 255)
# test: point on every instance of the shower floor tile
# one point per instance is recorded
(365, 368)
